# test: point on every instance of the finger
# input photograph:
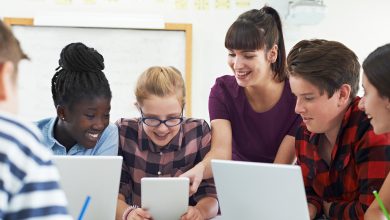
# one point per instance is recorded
(194, 186)
(143, 213)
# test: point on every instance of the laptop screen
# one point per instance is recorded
(94, 176)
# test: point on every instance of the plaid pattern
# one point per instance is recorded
(360, 161)
(141, 158)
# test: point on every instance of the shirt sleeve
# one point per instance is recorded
(373, 164)
(109, 141)
(311, 195)
(207, 186)
(217, 103)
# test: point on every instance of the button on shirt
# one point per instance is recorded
(142, 158)
(359, 164)
(107, 145)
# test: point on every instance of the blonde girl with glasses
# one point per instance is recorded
(162, 143)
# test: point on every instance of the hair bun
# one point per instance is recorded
(77, 57)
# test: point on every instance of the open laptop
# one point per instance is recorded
(248, 190)
(94, 176)
(165, 198)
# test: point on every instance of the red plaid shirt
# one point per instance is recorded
(142, 158)
(360, 161)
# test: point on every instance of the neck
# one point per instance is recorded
(62, 136)
(332, 133)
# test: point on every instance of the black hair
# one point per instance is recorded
(377, 69)
(256, 29)
(79, 76)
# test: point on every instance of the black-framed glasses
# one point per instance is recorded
(155, 122)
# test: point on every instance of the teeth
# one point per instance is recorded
(93, 135)
(161, 135)
(242, 73)
(369, 116)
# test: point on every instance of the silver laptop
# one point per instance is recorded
(248, 190)
(166, 198)
(94, 176)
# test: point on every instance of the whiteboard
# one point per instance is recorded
(127, 53)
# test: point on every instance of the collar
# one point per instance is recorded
(56, 146)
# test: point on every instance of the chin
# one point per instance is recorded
(313, 129)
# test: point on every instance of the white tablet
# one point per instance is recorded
(165, 198)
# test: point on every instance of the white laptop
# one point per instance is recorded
(248, 190)
(94, 176)
(165, 198)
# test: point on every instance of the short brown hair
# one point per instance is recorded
(160, 81)
(326, 64)
(10, 49)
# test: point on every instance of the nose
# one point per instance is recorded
(162, 127)
(299, 107)
(237, 63)
(361, 103)
(100, 123)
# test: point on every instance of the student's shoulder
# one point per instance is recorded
(124, 123)
(227, 80)
(195, 123)
(358, 122)
(44, 122)
(23, 139)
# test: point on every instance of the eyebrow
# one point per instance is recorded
(308, 93)
(169, 115)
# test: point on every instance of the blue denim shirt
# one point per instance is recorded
(107, 145)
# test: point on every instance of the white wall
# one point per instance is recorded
(362, 25)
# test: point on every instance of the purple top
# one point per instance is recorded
(256, 136)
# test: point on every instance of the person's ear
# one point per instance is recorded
(61, 112)
(388, 103)
(272, 54)
(344, 94)
(7, 80)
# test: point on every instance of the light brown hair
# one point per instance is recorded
(10, 49)
(160, 81)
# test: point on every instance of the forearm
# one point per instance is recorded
(208, 207)
(120, 207)
(216, 152)
(374, 213)
(286, 152)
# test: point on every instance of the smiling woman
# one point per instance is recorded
(82, 97)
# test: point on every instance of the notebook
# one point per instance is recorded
(94, 176)
(165, 198)
(248, 190)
